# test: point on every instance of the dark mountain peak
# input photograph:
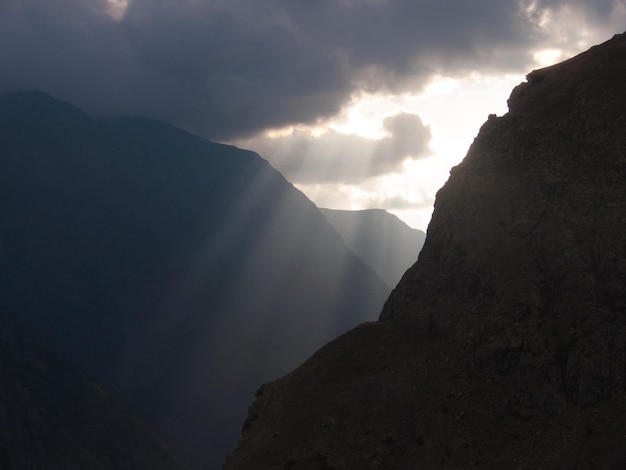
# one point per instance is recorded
(552, 91)
(33, 99)
(44, 114)
(529, 183)
(36, 104)
(504, 346)
(182, 272)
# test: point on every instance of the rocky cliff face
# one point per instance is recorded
(504, 346)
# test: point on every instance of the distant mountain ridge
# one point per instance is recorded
(182, 272)
(504, 346)
(379, 238)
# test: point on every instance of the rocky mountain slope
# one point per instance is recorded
(181, 272)
(380, 239)
(504, 346)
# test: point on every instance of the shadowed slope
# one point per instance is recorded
(504, 346)
(181, 271)
(53, 415)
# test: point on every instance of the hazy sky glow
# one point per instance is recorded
(360, 103)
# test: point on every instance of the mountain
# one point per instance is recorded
(181, 273)
(504, 346)
(380, 239)
(53, 415)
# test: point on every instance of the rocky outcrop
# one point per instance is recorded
(504, 346)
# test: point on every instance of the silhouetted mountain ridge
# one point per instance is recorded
(504, 346)
(181, 271)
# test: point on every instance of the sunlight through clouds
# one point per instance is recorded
(335, 166)
(547, 57)
(259, 73)
(116, 9)
(453, 108)
(570, 28)
(333, 156)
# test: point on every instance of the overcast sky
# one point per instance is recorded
(358, 102)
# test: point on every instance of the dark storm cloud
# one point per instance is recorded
(225, 69)
(335, 157)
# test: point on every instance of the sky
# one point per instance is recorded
(359, 103)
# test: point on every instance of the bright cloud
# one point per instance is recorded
(117, 8)
(333, 156)
(452, 110)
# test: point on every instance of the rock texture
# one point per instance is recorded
(504, 346)
(380, 239)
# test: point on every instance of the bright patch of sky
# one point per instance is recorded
(454, 109)
(117, 8)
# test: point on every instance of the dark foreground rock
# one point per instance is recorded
(504, 346)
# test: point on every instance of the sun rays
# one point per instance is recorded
(387, 151)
